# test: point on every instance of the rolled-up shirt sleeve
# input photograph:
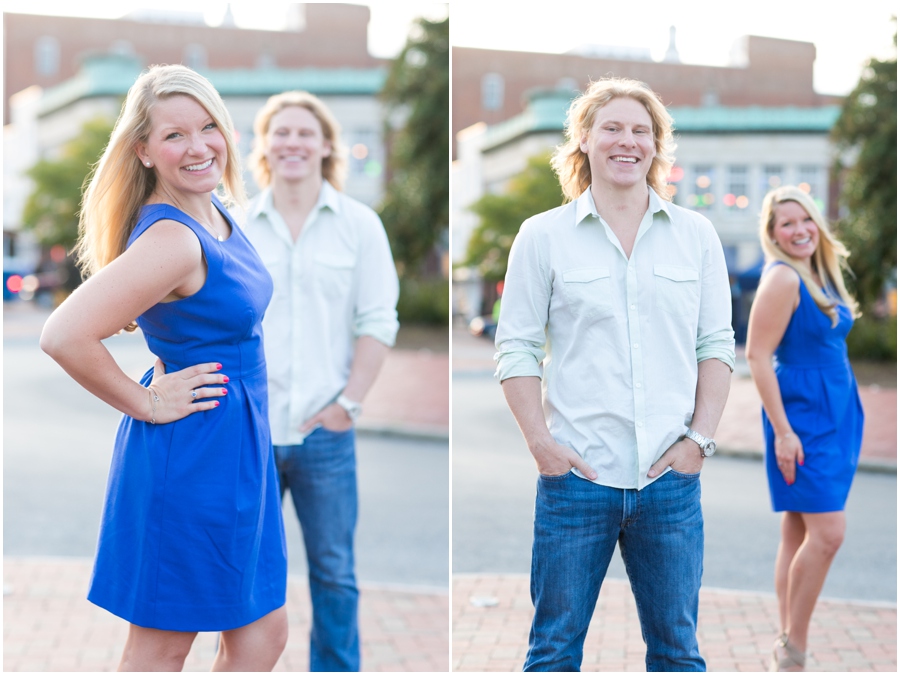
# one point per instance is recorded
(715, 335)
(378, 289)
(524, 308)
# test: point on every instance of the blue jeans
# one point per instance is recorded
(321, 475)
(660, 534)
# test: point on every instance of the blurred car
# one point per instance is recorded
(483, 326)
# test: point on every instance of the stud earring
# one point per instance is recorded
(148, 164)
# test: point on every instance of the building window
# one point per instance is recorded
(366, 153)
(676, 185)
(46, 56)
(702, 188)
(736, 195)
(772, 177)
(122, 48)
(492, 91)
(809, 179)
(265, 60)
(195, 56)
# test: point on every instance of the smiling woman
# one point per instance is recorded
(812, 415)
(192, 537)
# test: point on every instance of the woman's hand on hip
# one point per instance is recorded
(333, 417)
(788, 453)
(184, 392)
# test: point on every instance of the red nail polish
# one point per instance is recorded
(225, 378)
(224, 391)
(218, 366)
(801, 463)
(217, 404)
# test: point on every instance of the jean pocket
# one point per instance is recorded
(588, 292)
(561, 476)
(687, 476)
(677, 289)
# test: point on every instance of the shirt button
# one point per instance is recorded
(632, 306)
(638, 385)
(640, 424)
(635, 345)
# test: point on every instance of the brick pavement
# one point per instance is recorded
(48, 625)
(411, 395)
(735, 629)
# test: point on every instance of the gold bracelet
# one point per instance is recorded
(154, 399)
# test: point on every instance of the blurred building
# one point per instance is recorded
(47, 50)
(740, 131)
(72, 70)
(492, 86)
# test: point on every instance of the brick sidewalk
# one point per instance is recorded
(48, 625)
(736, 629)
(411, 395)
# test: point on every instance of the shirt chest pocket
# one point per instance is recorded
(677, 289)
(334, 275)
(588, 292)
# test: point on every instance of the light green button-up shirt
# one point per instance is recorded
(616, 340)
(337, 282)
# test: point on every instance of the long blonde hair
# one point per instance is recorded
(571, 163)
(120, 184)
(828, 260)
(334, 167)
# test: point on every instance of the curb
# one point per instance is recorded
(867, 464)
(429, 432)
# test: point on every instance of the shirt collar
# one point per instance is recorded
(584, 205)
(328, 197)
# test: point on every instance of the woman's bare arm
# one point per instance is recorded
(776, 300)
(165, 262)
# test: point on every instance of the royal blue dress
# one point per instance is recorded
(822, 403)
(192, 537)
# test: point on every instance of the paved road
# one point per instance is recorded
(493, 502)
(57, 447)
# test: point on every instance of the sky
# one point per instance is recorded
(388, 27)
(845, 37)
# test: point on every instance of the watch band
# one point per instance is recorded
(707, 445)
(354, 409)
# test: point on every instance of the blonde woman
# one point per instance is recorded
(191, 537)
(812, 417)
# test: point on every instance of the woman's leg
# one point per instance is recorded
(254, 647)
(793, 531)
(824, 535)
(149, 649)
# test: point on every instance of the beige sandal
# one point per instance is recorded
(792, 660)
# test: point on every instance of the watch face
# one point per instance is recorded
(710, 449)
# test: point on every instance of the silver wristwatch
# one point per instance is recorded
(354, 409)
(707, 445)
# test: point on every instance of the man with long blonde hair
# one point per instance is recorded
(328, 329)
(615, 352)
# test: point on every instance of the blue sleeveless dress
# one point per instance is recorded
(822, 404)
(192, 537)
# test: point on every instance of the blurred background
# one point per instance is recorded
(384, 72)
(65, 78)
(763, 94)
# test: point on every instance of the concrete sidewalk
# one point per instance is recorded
(492, 617)
(48, 625)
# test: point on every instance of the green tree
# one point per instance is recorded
(415, 209)
(51, 209)
(868, 126)
(533, 191)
